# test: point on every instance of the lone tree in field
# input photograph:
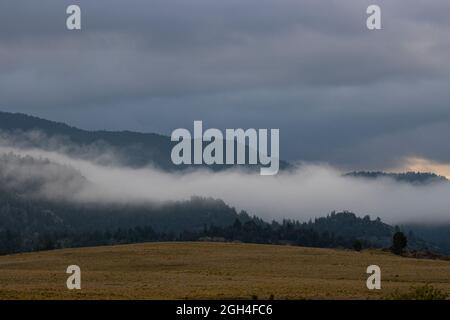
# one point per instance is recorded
(399, 242)
(357, 245)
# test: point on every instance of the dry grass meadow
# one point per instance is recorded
(213, 271)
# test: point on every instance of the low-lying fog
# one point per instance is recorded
(310, 191)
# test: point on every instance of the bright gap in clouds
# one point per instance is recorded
(417, 164)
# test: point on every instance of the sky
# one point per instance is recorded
(339, 93)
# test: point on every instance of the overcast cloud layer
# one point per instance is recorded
(339, 93)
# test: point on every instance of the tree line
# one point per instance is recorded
(253, 230)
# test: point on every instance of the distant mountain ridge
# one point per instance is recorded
(132, 149)
(408, 177)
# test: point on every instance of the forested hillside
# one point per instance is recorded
(40, 207)
(126, 148)
(39, 210)
(407, 177)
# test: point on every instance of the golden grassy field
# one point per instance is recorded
(213, 271)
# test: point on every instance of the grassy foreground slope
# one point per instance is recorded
(213, 270)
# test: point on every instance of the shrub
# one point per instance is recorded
(426, 292)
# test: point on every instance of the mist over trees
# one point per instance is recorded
(38, 210)
(30, 221)
(125, 148)
(30, 224)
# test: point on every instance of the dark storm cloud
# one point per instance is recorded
(338, 92)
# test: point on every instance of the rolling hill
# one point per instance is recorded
(214, 271)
